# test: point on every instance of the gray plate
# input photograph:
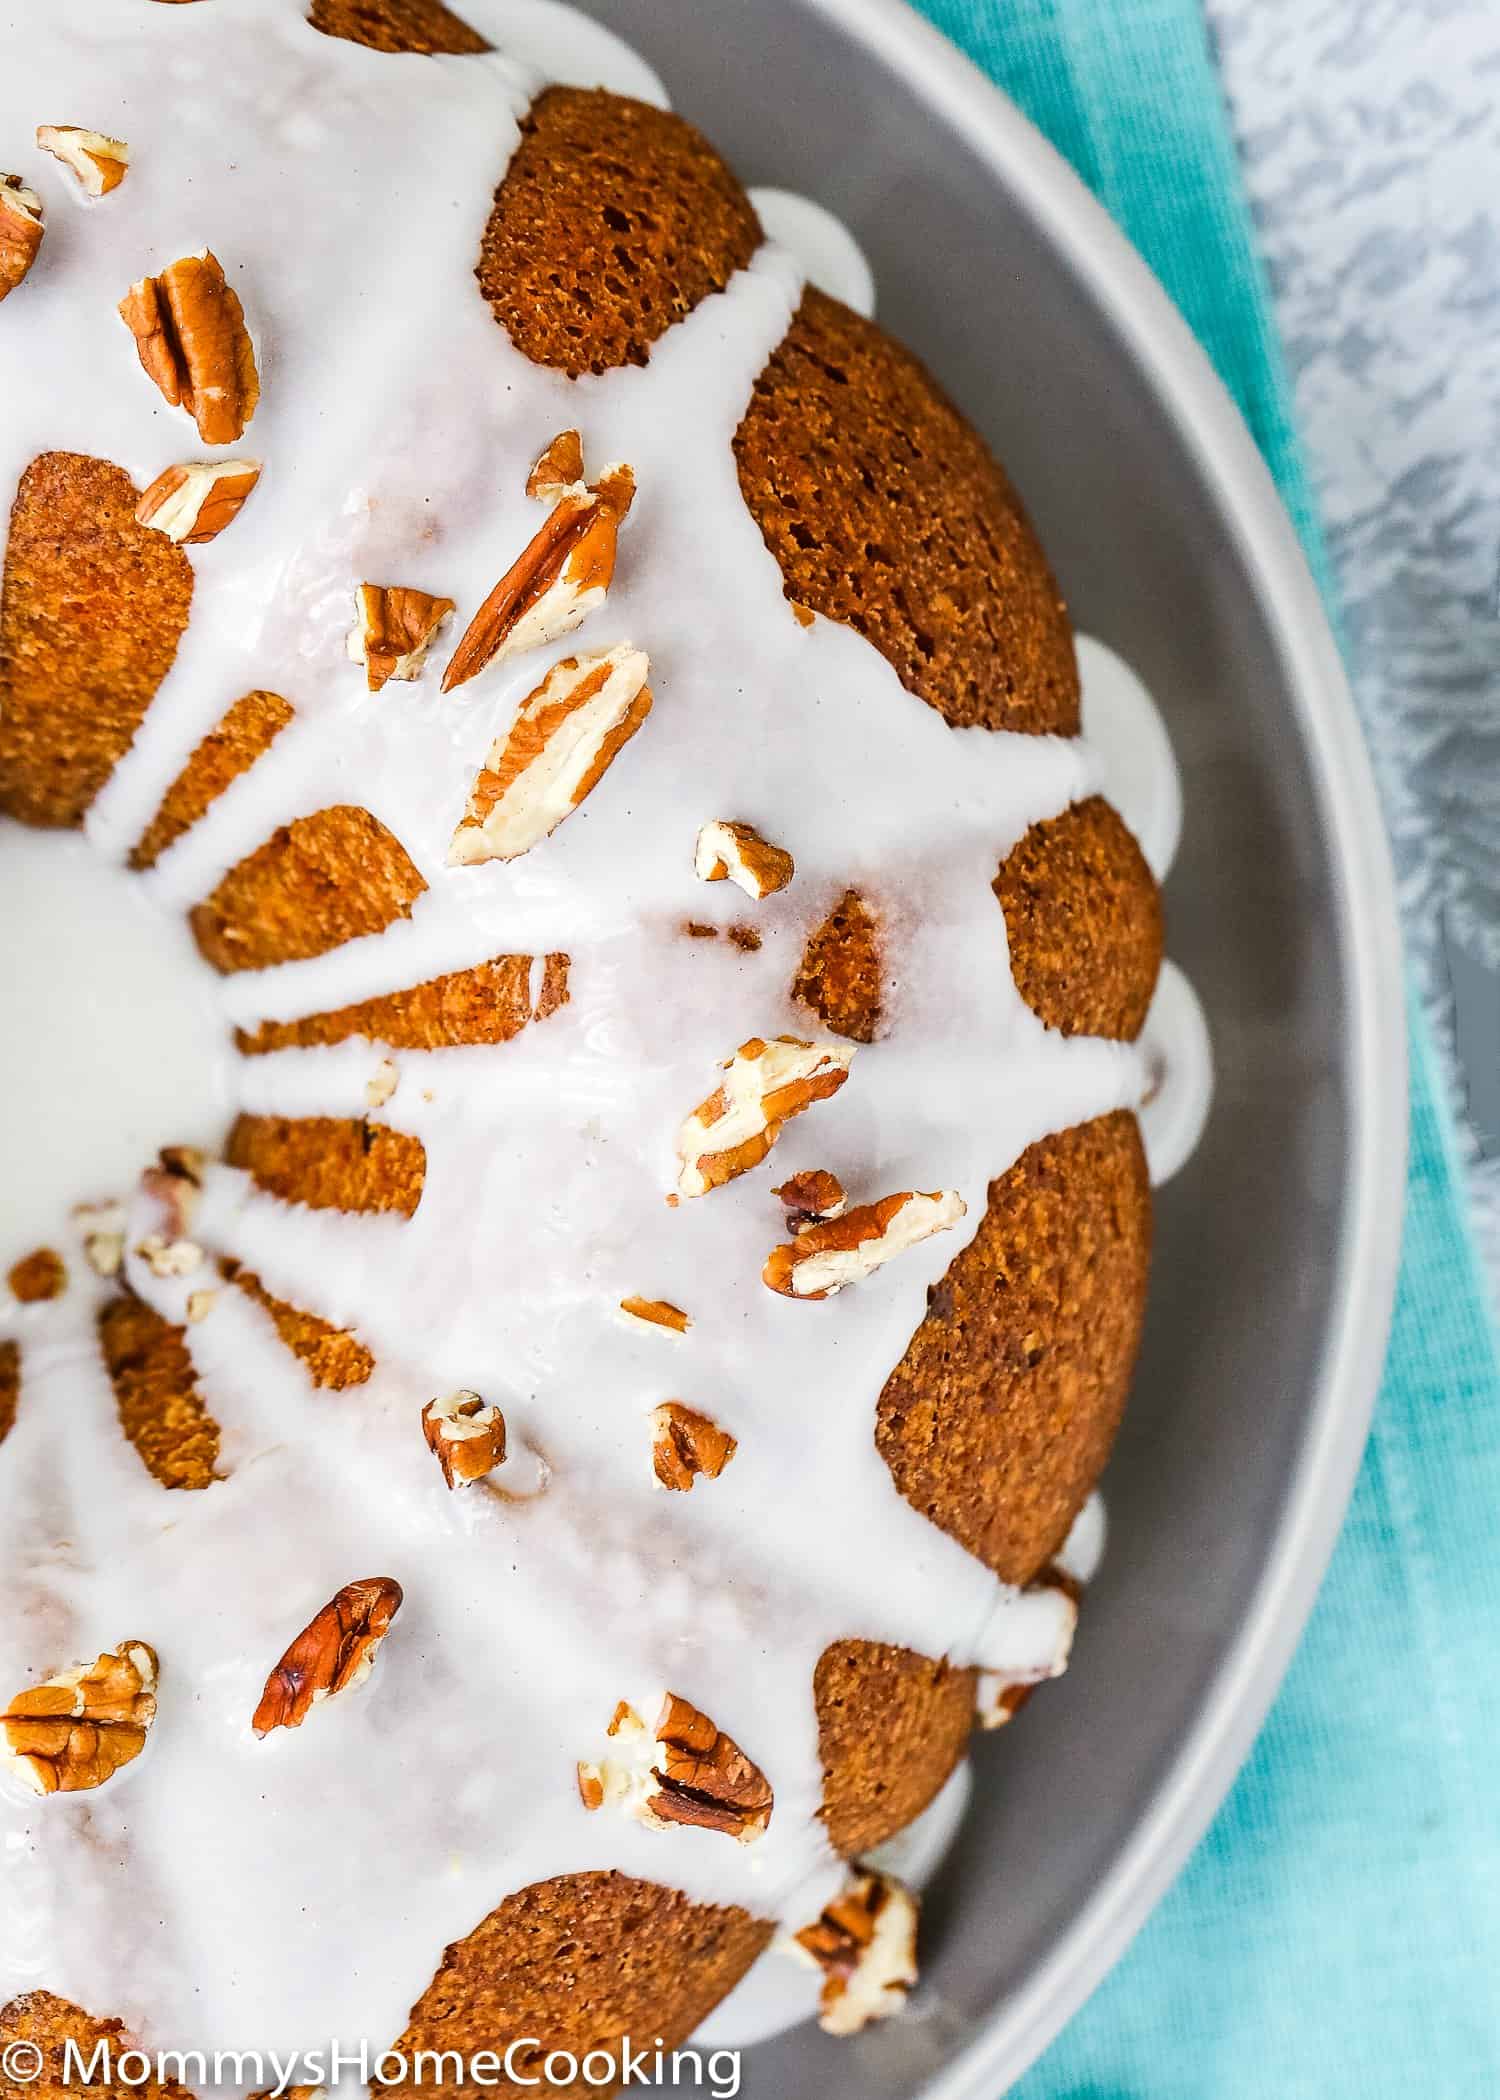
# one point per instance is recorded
(1277, 1247)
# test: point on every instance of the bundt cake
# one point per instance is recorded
(668, 1277)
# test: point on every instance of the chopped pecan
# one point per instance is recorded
(559, 579)
(101, 1227)
(565, 736)
(812, 1198)
(1029, 1638)
(823, 1258)
(737, 853)
(466, 1434)
(332, 1655)
(192, 341)
(687, 1771)
(97, 161)
(766, 1084)
(655, 1313)
(686, 1444)
(77, 1729)
(382, 1083)
(20, 231)
(393, 629)
(865, 1943)
(194, 502)
(164, 1257)
(200, 1304)
(559, 467)
(38, 1276)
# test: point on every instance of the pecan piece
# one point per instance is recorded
(77, 1729)
(865, 1943)
(560, 577)
(560, 466)
(565, 736)
(825, 1257)
(737, 853)
(331, 1655)
(686, 1444)
(686, 1771)
(98, 162)
(657, 1314)
(466, 1435)
(193, 502)
(192, 341)
(393, 630)
(1028, 1640)
(101, 1226)
(766, 1084)
(812, 1198)
(20, 231)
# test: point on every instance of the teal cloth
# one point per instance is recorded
(1337, 1932)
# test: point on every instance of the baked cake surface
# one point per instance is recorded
(510, 1053)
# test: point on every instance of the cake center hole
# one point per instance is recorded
(112, 1042)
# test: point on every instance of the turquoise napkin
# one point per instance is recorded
(1337, 1933)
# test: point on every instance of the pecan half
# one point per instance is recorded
(865, 1943)
(686, 1444)
(737, 853)
(765, 1085)
(20, 231)
(466, 1435)
(823, 1258)
(558, 579)
(193, 502)
(656, 1314)
(812, 1198)
(98, 162)
(560, 466)
(686, 1771)
(77, 1729)
(393, 629)
(1032, 1630)
(192, 341)
(565, 736)
(332, 1655)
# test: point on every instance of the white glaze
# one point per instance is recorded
(1180, 1075)
(1136, 762)
(227, 1892)
(829, 255)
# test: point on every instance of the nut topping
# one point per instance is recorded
(558, 468)
(194, 502)
(655, 1313)
(865, 1943)
(332, 1655)
(77, 1729)
(38, 1276)
(382, 1083)
(738, 853)
(812, 1198)
(689, 1771)
(20, 231)
(192, 341)
(823, 1258)
(565, 736)
(687, 1444)
(466, 1435)
(559, 579)
(164, 1257)
(97, 161)
(101, 1226)
(394, 626)
(766, 1084)
(1030, 1637)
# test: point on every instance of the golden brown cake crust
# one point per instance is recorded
(487, 1003)
(1083, 916)
(311, 886)
(839, 975)
(891, 1727)
(614, 220)
(998, 1419)
(887, 512)
(581, 1961)
(333, 1357)
(161, 1409)
(248, 729)
(330, 1162)
(93, 608)
(396, 25)
(51, 2022)
(38, 1276)
(10, 1386)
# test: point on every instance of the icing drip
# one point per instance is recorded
(225, 1892)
